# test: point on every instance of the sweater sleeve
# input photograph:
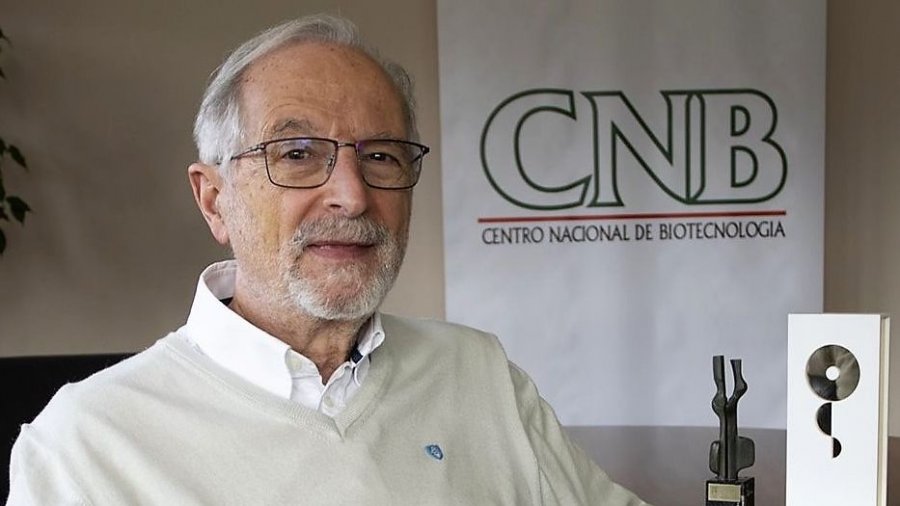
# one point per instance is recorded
(36, 478)
(568, 476)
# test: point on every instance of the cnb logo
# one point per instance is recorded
(716, 148)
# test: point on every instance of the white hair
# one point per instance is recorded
(218, 131)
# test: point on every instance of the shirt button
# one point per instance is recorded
(294, 362)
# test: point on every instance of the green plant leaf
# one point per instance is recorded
(2, 146)
(18, 208)
(2, 75)
(3, 215)
(2, 241)
(2, 191)
(17, 155)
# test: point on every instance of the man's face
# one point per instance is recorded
(333, 251)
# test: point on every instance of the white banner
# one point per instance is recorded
(631, 187)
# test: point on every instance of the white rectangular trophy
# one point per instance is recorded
(837, 412)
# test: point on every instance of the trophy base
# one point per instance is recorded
(738, 492)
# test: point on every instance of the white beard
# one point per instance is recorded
(345, 293)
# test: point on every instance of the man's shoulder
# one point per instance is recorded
(439, 345)
(105, 390)
(437, 332)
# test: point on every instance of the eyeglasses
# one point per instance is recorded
(307, 162)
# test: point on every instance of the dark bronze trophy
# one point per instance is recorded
(731, 453)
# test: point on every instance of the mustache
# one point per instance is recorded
(360, 230)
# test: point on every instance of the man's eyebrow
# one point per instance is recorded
(384, 134)
(304, 127)
(293, 126)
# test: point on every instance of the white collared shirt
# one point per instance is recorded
(264, 360)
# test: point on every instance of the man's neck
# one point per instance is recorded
(328, 343)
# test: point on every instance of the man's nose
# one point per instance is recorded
(346, 193)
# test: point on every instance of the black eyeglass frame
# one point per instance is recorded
(261, 147)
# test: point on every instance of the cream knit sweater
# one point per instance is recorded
(442, 418)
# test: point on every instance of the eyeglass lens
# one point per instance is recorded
(304, 162)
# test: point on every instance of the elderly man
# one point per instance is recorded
(286, 386)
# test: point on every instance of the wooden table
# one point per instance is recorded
(669, 466)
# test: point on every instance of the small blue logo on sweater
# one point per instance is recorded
(435, 452)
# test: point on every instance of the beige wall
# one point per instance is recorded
(101, 95)
(862, 176)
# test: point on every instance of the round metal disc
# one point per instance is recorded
(821, 360)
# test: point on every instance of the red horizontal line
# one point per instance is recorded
(632, 216)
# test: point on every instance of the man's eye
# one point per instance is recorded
(382, 158)
(297, 154)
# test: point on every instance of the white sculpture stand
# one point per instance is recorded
(838, 410)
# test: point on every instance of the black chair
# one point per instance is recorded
(28, 383)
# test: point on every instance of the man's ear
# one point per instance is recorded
(206, 183)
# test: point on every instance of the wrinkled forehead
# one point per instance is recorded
(319, 83)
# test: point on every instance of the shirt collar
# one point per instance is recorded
(239, 346)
